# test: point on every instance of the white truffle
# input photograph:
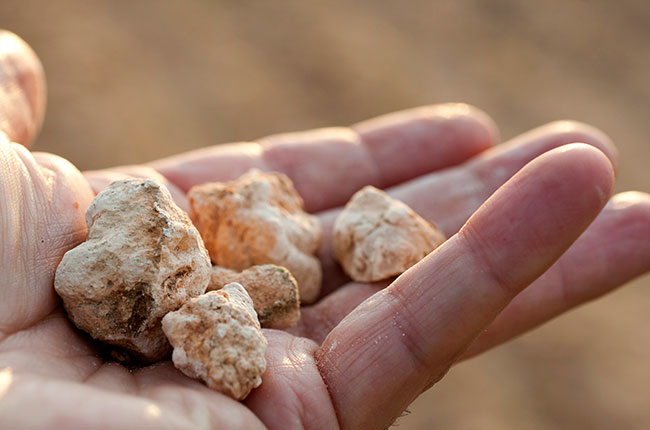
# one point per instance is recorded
(376, 237)
(272, 288)
(217, 338)
(259, 219)
(142, 258)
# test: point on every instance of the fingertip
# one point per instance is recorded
(487, 127)
(587, 166)
(636, 199)
(634, 208)
(22, 88)
(576, 131)
(541, 210)
(474, 120)
(416, 141)
(571, 179)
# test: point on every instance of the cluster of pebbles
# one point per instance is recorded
(151, 280)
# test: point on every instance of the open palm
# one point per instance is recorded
(364, 352)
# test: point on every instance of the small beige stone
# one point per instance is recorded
(259, 219)
(376, 237)
(272, 288)
(142, 259)
(217, 338)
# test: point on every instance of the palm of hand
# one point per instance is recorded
(347, 366)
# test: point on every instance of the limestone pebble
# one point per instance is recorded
(142, 259)
(272, 288)
(217, 338)
(259, 219)
(376, 237)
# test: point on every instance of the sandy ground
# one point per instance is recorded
(132, 81)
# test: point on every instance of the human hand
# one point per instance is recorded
(344, 365)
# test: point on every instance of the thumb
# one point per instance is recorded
(42, 203)
(22, 89)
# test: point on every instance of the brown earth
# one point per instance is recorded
(132, 81)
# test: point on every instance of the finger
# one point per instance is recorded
(22, 89)
(407, 144)
(100, 179)
(404, 338)
(292, 394)
(51, 348)
(204, 407)
(58, 403)
(42, 203)
(614, 250)
(455, 194)
(449, 197)
(328, 165)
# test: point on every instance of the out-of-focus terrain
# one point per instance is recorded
(133, 81)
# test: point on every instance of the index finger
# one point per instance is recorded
(328, 165)
(407, 335)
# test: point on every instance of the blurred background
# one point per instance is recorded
(133, 81)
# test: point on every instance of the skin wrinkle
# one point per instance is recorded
(379, 178)
(363, 344)
(299, 353)
(365, 348)
(19, 179)
(16, 125)
(562, 282)
(279, 369)
(9, 187)
(303, 409)
(404, 302)
(318, 356)
(480, 251)
(38, 180)
(407, 332)
(94, 370)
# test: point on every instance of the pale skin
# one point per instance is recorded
(363, 353)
